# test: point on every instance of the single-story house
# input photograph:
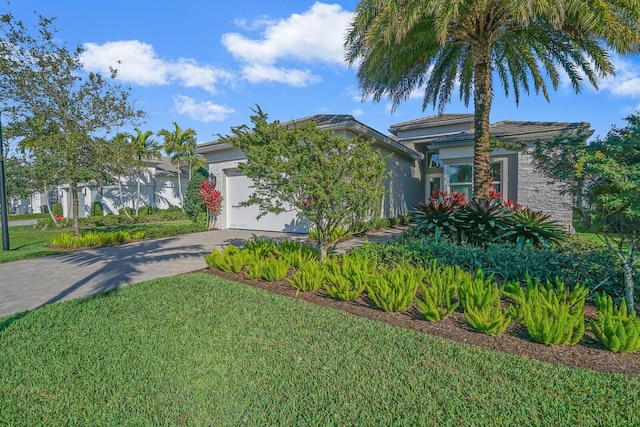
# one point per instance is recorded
(427, 154)
(403, 187)
(158, 188)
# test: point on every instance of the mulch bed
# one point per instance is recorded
(589, 353)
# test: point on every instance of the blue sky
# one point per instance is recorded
(204, 64)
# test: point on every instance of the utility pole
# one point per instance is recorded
(3, 197)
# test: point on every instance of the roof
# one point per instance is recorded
(432, 121)
(517, 131)
(332, 122)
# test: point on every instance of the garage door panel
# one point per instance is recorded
(238, 189)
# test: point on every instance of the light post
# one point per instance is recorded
(3, 197)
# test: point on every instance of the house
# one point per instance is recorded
(447, 143)
(403, 186)
(422, 156)
(158, 188)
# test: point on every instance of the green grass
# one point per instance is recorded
(199, 350)
(25, 242)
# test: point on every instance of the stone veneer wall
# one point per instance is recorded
(536, 192)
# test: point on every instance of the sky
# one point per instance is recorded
(205, 64)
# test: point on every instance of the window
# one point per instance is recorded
(461, 178)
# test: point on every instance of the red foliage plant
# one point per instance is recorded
(453, 199)
(211, 197)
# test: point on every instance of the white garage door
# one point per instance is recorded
(237, 190)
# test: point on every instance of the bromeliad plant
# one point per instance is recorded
(526, 226)
(552, 314)
(438, 216)
(436, 302)
(617, 330)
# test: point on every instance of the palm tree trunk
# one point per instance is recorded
(482, 106)
(180, 186)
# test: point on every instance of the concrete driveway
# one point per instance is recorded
(28, 284)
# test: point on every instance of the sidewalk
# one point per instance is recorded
(28, 284)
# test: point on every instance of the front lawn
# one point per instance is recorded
(25, 242)
(200, 350)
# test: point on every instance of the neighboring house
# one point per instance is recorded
(447, 143)
(426, 154)
(403, 187)
(158, 188)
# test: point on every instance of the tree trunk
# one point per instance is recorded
(482, 107)
(138, 196)
(122, 206)
(47, 204)
(629, 266)
(180, 186)
(76, 208)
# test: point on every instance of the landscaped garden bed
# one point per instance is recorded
(588, 353)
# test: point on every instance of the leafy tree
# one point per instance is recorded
(403, 45)
(63, 111)
(608, 173)
(333, 182)
(144, 148)
(193, 204)
(180, 145)
(119, 161)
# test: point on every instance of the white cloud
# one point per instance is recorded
(626, 82)
(256, 73)
(204, 111)
(357, 112)
(138, 63)
(260, 22)
(315, 36)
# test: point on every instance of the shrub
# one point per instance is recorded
(261, 247)
(437, 299)
(193, 205)
(138, 235)
(64, 240)
(480, 299)
(309, 277)
(56, 209)
(552, 314)
(97, 209)
(618, 331)
(437, 219)
(481, 222)
(572, 262)
(222, 259)
(395, 289)
(337, 235)
(274, 269)
(347, 276)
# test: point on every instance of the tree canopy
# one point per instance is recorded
(604, 175)
(441, 46)
(62, 112)
(334, 183)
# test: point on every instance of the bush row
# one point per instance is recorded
(92, 238)
(572, 262)
(551, 313)
(145, 215)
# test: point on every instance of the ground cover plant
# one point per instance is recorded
(177, 353)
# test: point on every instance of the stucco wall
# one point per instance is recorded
(537, 193)
(217, 170)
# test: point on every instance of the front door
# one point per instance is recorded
(434, 183)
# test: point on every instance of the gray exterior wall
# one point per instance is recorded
(404, 186)
(538, 193)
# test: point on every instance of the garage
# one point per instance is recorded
(237, 190)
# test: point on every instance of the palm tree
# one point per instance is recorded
(144, 147)
(177, 144)
(403, 45)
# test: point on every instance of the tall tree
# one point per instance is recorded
(604, 175)
(144, 147)
(404, 45)
(64, 110)
(179, 144)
